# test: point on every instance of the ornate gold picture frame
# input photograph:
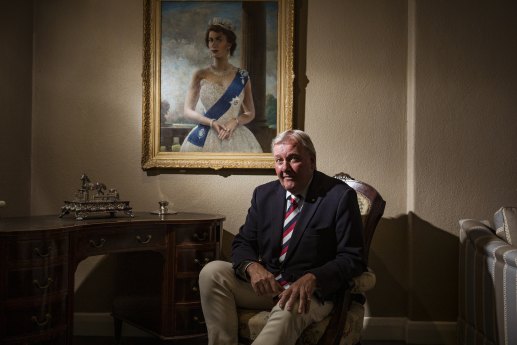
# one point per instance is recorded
(175, 46)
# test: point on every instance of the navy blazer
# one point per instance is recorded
(327, 240)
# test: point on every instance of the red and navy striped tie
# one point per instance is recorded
(291, 216)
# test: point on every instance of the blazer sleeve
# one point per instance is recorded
(245, 244)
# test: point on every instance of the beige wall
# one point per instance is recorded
(87, 114)
(15, 106)
(464, 117)
(356, 113)
(413, 97)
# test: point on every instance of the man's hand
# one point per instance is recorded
(301, 290)
(263, 281)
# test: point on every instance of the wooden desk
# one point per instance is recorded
(39, 256)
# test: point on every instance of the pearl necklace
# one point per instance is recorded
(222, 73)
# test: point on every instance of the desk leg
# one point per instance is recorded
(117, 323)
(72, 267)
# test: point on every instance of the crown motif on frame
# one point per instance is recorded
(222, 22)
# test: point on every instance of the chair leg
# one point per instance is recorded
(118, 330)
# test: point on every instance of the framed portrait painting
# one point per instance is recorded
(217, 82)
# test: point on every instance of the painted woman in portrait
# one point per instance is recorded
(225, 94)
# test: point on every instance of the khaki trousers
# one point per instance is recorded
(222, 293)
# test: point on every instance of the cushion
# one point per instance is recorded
(505, 223)
(364, 204)
(365, 282)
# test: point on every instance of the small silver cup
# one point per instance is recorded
(163, 207)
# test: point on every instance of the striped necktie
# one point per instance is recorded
(291, 216)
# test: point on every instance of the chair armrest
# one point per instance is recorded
(364, 282)
(483, 240)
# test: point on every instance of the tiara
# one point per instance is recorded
(222, 22)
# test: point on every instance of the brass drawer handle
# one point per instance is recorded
(43, 323)
(195, 289)
(147, 240)
(202, 263)
(99, 244)
(201, 238)
(198, 320)
(43, 255)
(43, 287)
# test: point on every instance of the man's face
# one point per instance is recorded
(293, 166)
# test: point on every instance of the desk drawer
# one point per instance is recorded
(42, 250)
(192, 260)
(35, 319)
(120, 239)
(190, 320)
(37, 281)
(54, 337)
(187, 290)
(194, 233)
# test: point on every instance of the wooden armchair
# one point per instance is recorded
(344, 325)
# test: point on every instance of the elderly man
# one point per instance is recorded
(301, 243)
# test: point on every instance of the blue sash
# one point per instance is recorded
(199, 133)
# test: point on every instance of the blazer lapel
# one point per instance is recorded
(277, 217)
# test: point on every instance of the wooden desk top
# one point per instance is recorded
(14, 225)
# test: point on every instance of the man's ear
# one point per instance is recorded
(313, 163)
